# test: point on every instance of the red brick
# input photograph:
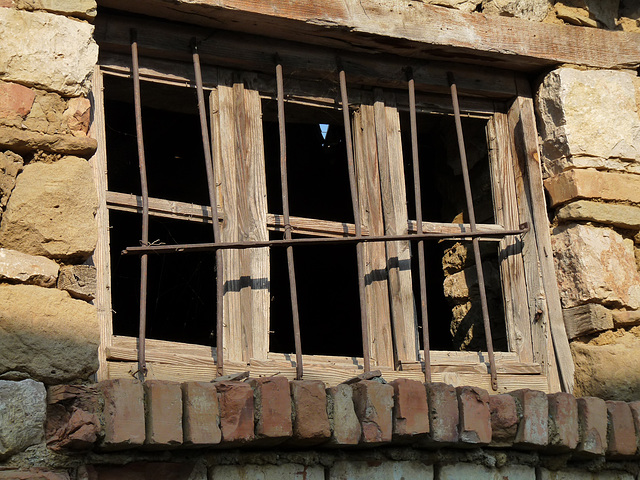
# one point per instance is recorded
(236, 411)
(124, 423)
(272, 405)
(344, 423)
(201, 414)
(410, 408)
(443, 413)
(373, 402)
(621, 436)
(475, 416)
(15, 100)
(310, 419)
(564, 430)
(635, 413)
(504, 419)
(592, 414)
(72, 417)
(164, 413)
(533, 408)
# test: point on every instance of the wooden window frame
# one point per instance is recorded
(518, 198)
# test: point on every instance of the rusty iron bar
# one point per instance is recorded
(203, 247)
(472, 223)
(356, 216)
(287, 225)
(213, 200)
(144, 260)
(418, 200)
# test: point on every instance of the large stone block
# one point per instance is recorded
(22, 414)
(46, 335)
(20, 267)
(290, 471)
(607, 366)
(595, 265)
(589, 13)
(47, 51)
(575, 474)
(52, 211)
(362, 470)
(624, 216)
(593, 184)
(85, 9)
(578, 117)
(480, 472)
(533, 10)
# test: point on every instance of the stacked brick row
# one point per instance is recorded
(125, 414)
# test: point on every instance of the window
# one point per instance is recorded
(242, 116)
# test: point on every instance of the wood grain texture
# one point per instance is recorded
(394, 206)
(371, 218)
(101, 258)
(538, 312)
(527, 142)
(240, 176)
(505, 204)
(405, 28)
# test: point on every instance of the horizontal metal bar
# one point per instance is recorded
(209, 247)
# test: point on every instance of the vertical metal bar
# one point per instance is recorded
(213, 200)
(142, 364)
(287, 225)
(418, 199)
(472, 223)
(356, 217)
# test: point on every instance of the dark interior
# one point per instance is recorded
(181, 305)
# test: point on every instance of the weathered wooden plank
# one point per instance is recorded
(250, 53)
(101, 258)
(507, 382)
(510, 252)
(394, 206)
(413, 29)
(370, 203)
(240, 176)
(127, 202)
(527, 141)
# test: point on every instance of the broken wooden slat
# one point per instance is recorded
(370, 203)
(127, 202)
(394, 206)
(239, 166)
(514, 288)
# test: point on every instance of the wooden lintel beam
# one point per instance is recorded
(161, 40)
(410, 29)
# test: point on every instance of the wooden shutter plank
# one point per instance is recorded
(240, 175)
(511, 262)
(370, 203)
(527, 136)
(394, 203)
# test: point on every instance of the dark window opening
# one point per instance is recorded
(181, 303)
(453, 301)
(326, 276)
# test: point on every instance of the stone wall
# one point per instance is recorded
(610, 14)
(590, 137)
(48, 328)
